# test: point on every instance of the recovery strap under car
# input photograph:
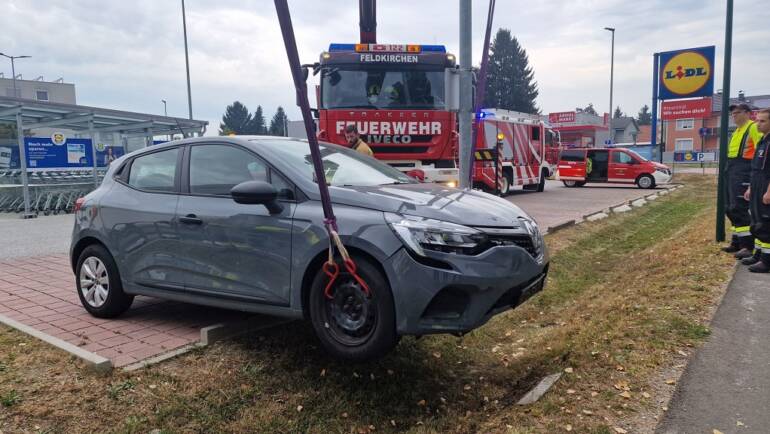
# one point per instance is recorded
(330, 268)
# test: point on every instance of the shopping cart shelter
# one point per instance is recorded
(62, 152)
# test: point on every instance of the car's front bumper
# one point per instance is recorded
(434, 300)
(661, 178)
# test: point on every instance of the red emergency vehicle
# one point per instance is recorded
(530, 150)
(394, 94)
(578, 166)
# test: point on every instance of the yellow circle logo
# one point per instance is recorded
(686, 73)
(688, 156)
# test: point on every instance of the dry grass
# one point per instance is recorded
(625, 295)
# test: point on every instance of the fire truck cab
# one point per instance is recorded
(394, 95)
(578, 166)
(530, 150)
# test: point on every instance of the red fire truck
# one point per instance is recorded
(394, 94)
(529, 151)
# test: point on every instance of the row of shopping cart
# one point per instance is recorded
(44, 202)
(47, 177)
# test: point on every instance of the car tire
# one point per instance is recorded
(337, 322)
(98, 283)
(570, 184)
(645, 181)
(541, 184)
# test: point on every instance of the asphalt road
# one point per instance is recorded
(34, 237)
(728, 380)
(557, 204)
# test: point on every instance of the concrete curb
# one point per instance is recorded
(621, 208)
(94, 361)
(212, 334)
(639, 203)
(162, 357)
(596, 216)
(560, 226)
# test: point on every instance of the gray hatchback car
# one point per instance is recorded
(237, 223)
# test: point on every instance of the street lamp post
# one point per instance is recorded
(13, 71)
(186, 60)
(612, 73)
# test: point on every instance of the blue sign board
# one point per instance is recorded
(686, 73)
(66, 153)
(61, 153)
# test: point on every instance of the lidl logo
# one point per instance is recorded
(58, 139)
(687, 73)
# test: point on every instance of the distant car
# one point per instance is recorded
(616, 165)
(237, 222)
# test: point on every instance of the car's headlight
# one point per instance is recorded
(420, 234)
(660, 169)
(534, 231)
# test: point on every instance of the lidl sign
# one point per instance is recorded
(686, 73)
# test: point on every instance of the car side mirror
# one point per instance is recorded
(257, 193)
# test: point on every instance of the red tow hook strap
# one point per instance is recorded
(330, 268)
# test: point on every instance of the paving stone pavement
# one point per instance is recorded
(40, 292)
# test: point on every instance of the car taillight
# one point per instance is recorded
(79, 203)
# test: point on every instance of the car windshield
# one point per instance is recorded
(382, 89)
(342, 166)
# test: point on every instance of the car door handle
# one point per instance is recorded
(190, 219)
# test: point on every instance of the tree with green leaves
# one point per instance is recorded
(588, 109)
(279, 123)
(618, 113)
(510, 79)
(644, 117)
(236, 120)
(257, 125)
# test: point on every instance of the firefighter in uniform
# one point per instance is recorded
(739, 154)
(758, 196)
(355, 142)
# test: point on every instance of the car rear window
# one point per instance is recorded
(573, 155)
(154, 172)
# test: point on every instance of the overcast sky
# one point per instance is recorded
(129, 54)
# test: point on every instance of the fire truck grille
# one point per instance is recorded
(399, 149)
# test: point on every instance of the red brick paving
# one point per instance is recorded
(40, 292)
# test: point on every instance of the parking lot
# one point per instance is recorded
(37, 290)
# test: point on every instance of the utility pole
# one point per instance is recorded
(466, 91)
(612, 73)
(186, 60)
(723, 124)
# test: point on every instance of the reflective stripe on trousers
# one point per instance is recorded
(762, 246)
(741, 231)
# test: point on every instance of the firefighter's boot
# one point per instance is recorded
(753, 259)
(732, 247)
(763, 266)
(746, 245)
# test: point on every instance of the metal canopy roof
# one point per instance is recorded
(36, 114)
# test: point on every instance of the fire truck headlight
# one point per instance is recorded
(420, 234)
(451, 184)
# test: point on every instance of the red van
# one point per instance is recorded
(616, 165)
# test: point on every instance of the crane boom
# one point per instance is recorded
(367, 14)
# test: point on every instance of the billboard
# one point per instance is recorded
(561, 117)
(59, 152)
(686, 73)
(685, 109)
